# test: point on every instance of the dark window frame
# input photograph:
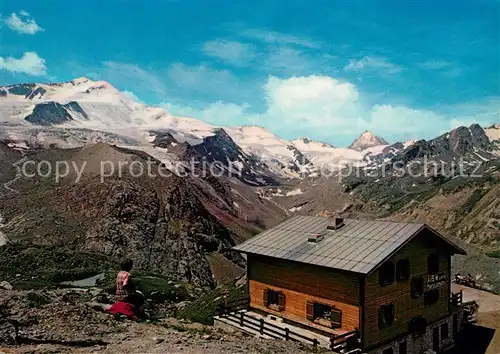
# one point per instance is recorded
(403, 270)
(274, 299)
(444, 331)
(386, 273)
(386, 315)
(433, 264)
(417, 287)
(333, 314)
(403, 348)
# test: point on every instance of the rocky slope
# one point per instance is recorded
(158, 219)
(64, 321)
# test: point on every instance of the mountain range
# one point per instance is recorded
(182, 223)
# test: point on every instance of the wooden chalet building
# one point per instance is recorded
(389, 282)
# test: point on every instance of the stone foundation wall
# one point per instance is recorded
(422, 344)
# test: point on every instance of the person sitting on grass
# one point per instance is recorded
(129, 301)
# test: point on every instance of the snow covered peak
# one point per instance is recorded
(80, 80)
(79, 89)
(255, 131)
(305, 144)
(367, 140)
(493, 132)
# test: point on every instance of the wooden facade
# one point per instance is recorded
(303, 283)
(399, 293)
(358, 297)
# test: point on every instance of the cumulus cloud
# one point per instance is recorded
(333, 110)
(407, 123)
(30, 63)
(22, 23)
(232, 52)
(309, 103)
(312, 101)
(369, 63)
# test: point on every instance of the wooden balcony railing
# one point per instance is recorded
(457, 298)
(233, 311)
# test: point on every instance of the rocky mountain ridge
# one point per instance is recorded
(367, 140)
(187, 219)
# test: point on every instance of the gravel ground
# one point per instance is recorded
(61, 321)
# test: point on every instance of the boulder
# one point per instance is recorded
(6, 285)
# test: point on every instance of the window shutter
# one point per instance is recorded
(281, 301)
(266, 297)
(336, 318)
(310, 311)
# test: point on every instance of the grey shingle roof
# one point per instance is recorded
(358, 246)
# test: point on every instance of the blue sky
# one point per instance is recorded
(403, 69)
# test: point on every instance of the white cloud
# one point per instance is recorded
(22, 23)
(279, 38)
(30, 63)
(312, 101)
(334, 111)
(232, 52)
(407, 123)
(369, 63)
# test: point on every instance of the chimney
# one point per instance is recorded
(335, 223)
(315, 238)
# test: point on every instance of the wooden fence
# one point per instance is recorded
(232, 311)
(457, 298)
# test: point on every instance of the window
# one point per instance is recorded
(388, 351)
(386, 315)
(433, 264)
(403, 270)
(444, 331)
(403, 348)
(315, 310)
(417, 287)
(322, 311)
(431, 297)
(386, 274)
(274, 299)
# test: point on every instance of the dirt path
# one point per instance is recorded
(145, 338)
(489, 313)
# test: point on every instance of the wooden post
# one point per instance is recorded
(261, 326)
(225, 302)
(287, 334)
(332, 342)
(241, 318)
